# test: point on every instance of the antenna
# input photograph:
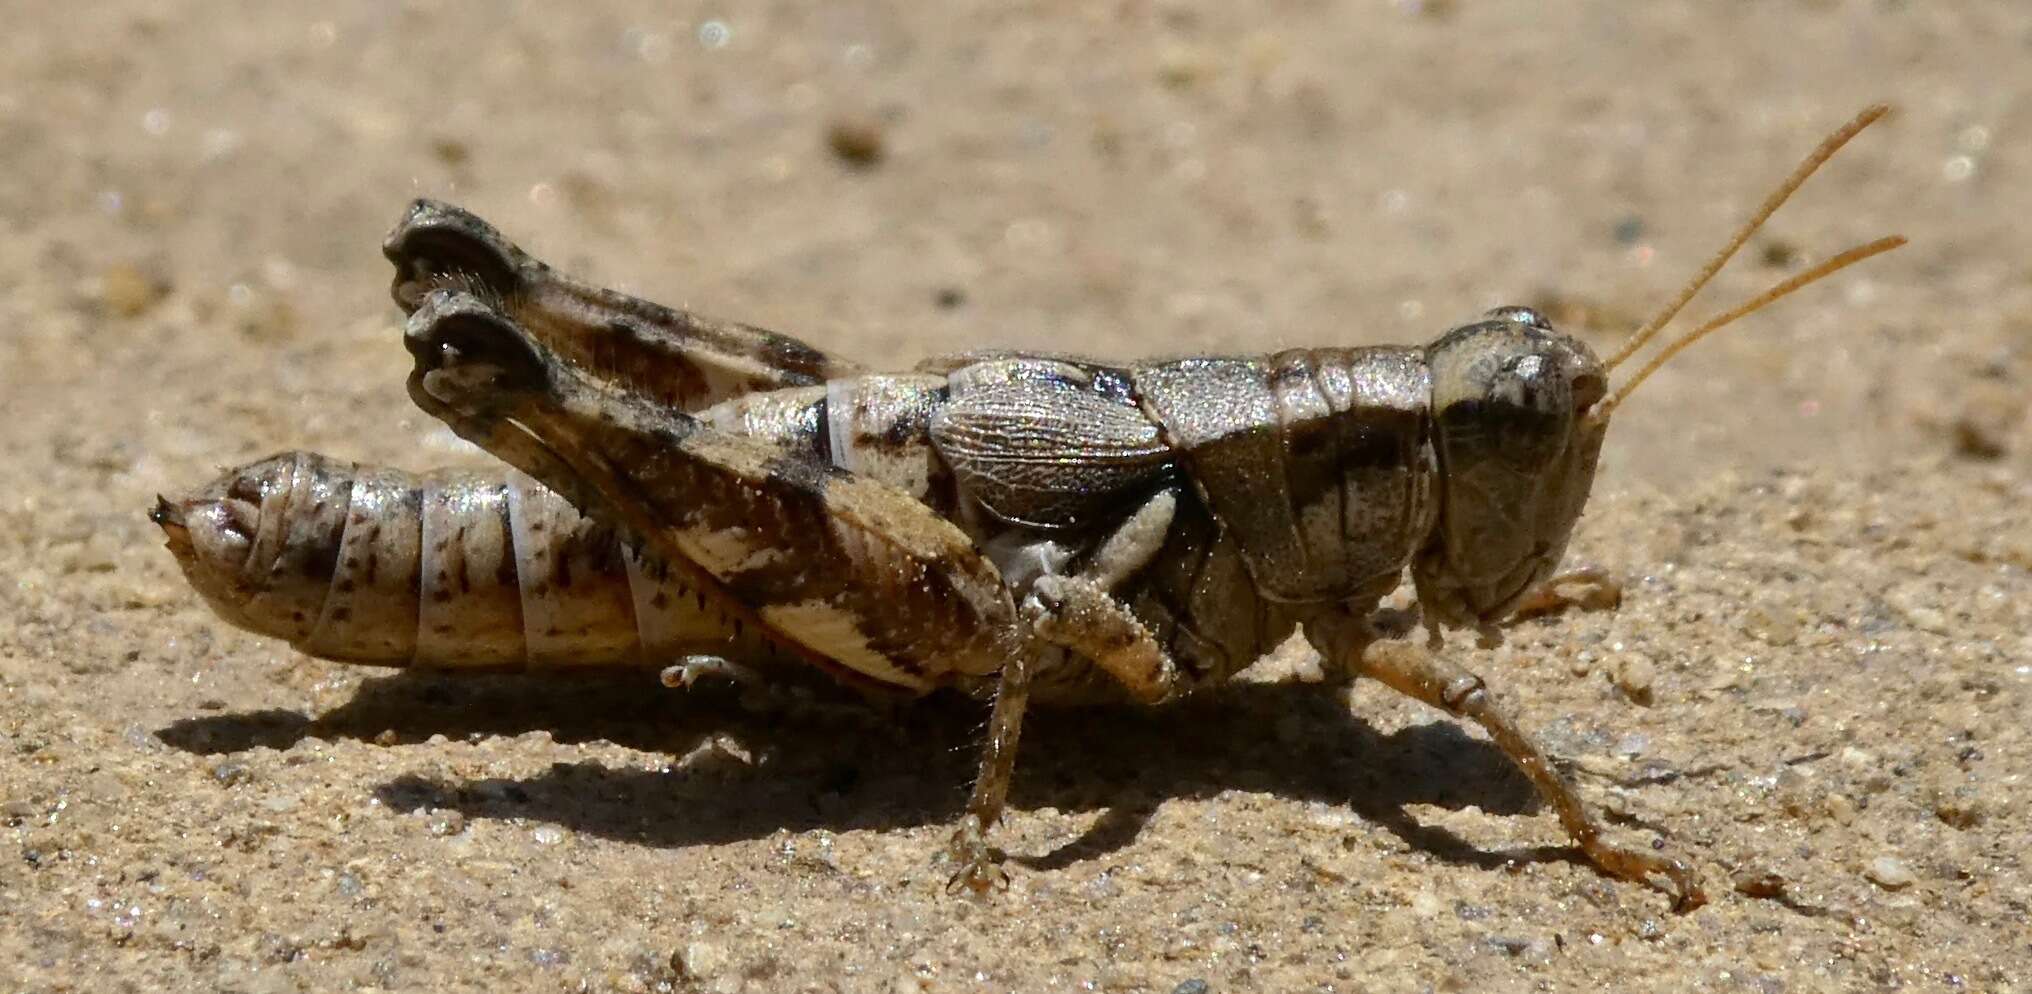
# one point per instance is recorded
(1600, 411)
(1827, 149)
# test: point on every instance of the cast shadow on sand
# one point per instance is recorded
(855, 768)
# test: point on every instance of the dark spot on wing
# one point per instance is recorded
(792, 356)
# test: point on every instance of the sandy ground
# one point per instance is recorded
(1817, 687)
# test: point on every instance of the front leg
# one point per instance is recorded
(1433, 680)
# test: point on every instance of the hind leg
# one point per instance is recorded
(865, 579)
(674, 356)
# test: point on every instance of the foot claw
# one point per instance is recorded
(1643, 867)
(980, 867)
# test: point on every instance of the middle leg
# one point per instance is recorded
(1080, 612)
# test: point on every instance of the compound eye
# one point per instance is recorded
(1529, 383)
(1519, 314)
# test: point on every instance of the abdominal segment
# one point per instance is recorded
(455, 570)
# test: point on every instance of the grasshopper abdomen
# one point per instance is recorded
(445, 570)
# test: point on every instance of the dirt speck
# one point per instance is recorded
(860, 141)
(128, 290)
(1634, 676)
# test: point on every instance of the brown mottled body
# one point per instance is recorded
(1022, 526)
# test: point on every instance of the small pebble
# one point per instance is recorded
(1425, 903)
(128, 292)
(1927, 619)
(1772, 624)
(1193, 986)
(1840, 807)
(1778, 254)
(1890, 873)
(1961, 808)
(857, 141)
(1990, 414)
(1759, 883)
(548, 835)
(441, 822)
(1634, 675)
(450, 151)
(699, 961)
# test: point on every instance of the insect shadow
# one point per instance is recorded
(853, 768)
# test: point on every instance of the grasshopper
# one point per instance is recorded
(1020, 527)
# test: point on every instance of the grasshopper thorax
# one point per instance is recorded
(1516, 457)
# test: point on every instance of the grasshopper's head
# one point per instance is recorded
(1520, 411)
(260, 542)
(1517, 450)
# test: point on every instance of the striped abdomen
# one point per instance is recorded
(457, 570)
